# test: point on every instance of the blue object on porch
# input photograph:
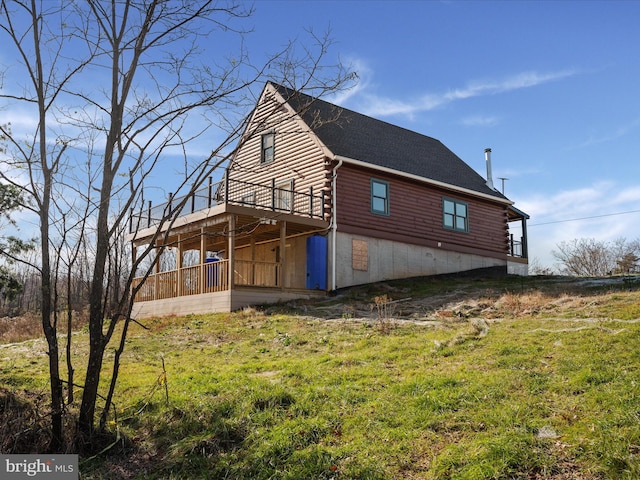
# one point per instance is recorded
(212, 272)
(317, 262)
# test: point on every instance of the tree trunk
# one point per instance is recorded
(90, 392)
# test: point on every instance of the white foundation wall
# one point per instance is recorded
(518, 268)
(215, 302)
(388, 260)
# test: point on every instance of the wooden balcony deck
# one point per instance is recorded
(232, 192)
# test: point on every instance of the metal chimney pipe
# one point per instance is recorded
(487, 156)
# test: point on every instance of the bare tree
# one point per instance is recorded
(134, 76)
(591, 257)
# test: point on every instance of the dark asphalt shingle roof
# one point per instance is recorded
(359, 137)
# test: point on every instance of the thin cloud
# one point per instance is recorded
(480, 121)
(376, 105)
(619, 132)
(364, 73)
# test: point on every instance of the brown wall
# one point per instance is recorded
(416, 215)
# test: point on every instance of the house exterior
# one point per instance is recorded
(319, 198)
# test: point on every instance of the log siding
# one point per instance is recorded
(415, 215)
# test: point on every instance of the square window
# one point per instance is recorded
(454, 215)
(379, 197)
(266, 153)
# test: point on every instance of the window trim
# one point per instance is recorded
(386, 198)
(284, 195)
(263, 149)
(454, 215)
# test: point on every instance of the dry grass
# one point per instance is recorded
(19, 329)
(29, 325)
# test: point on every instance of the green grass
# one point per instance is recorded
(255, 396)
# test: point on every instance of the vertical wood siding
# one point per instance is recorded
(415, 214)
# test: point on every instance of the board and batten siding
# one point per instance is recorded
(297, 154)
(415, 215)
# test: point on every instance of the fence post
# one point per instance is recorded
(149, 214)
(311, 201)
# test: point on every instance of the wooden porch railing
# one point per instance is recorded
(257, 274)
(207, 278)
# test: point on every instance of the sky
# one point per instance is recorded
(551, 87)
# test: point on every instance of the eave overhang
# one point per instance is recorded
(418, 178)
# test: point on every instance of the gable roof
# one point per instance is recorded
(358, 137)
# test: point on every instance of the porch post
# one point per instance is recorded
(180, 286)
(283, 252)
(252, 279)
(203, 254)
(156, 271)
(525, 246)
(231, 254)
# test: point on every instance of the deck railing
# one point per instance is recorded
(516, 248)
(237, 192)
(207, 278)
(257, 274)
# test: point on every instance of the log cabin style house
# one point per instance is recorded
(318, 198)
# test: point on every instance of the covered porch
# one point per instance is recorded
(518, 258)
(230, 256)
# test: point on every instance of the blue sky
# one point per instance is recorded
(553, 88)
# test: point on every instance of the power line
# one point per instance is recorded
(584, 218)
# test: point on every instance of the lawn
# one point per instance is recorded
(461, 379)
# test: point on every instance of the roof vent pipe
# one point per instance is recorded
(487, 156)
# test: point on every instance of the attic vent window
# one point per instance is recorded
(266, 153)
(379, 197)
(455, 215)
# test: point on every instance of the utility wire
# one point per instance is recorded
(583, 218)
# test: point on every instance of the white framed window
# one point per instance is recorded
(267, 148)
(455, 215)
(379, 197)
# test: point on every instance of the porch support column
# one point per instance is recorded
(231, 254)
(525, 246)
(156, 271)
(252, 280)
(180, 286)
(283, 252)
(203, 255)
